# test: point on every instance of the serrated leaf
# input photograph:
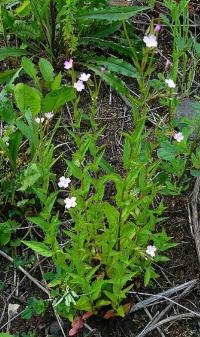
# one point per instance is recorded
(27, 98)
(38, 247)
(46, 70)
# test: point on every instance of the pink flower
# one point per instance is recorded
(70, 202)
(157, 28)
(79, 86)
(170, 83)
(39, 120)
(167, 64)
(178, 137)
(150, 41)
(68, 64)
(84, 77)
(64, 182)
(151, 250)
(102, 69)
(49, 115)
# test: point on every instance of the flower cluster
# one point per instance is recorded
(48, 115)
(64, 183)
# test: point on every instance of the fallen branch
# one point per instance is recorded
(195, 217)
(167, 320)
(165, 295)
(158, 317)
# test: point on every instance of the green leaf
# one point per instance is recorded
(74, 169)
(38, 247)
(104, 44)
(7, 75)
(5, 233)
(29, 177)
(2, 334)
(14, 144)
(27, 98)
(167, 151)
(46, 70)
(11, 52)
(83, 304)
(30, 69)
(57, 98)
(116, 65)
(112, 14)
(115, 82)
(57, 81)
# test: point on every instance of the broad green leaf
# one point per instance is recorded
(11, 52)
(57, 81)
(57, 98)
(46, 70)
(27, 98)
(111, 214)
(167, 151)
(107, 30)
(2, 334)
(116, 65)
(38, 247)
(40, 222)
(29, 177)
(115, 13)
(30, 69)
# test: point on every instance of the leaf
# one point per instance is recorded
(112, 80)
(30, 176)
(57, 98)
(46, 70)
(14, 144)
(116, 65)
(2, 334)
(30, 69)
(38, 247)
(11, 52)
(27, 98)
(7, 75)
(167, 151)
(5, 233)
(112, 14)
(104, 44)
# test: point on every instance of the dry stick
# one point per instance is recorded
(167, 320)
(163, 295)
(195, 220)
(151, 318)
(163, 312)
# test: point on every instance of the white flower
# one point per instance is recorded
(68, 64)
(170, 83)
(70, 202)
(12, 309)
(64, 182)
(79, 86)
(39, 120)
(178, 136)
(151, 250)
(84, 77)
(150, 41)
(49, 115)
